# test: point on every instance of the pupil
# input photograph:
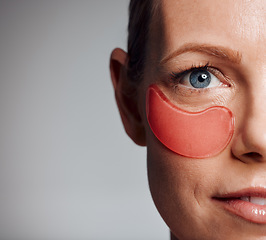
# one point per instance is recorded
(200, 78)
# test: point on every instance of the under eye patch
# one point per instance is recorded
(191, 134)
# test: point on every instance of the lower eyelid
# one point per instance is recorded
(189, 94)
(184, 91)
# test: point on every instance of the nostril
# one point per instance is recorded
(253, 155)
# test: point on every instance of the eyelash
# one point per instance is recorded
(177, 76)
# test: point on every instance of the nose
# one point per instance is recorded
(249, 143)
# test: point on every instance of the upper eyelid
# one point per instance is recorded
(180, 74)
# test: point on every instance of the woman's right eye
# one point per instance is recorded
(200, 85)
(199, 78)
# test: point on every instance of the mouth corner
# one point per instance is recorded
(249, 204)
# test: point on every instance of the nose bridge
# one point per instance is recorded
(254, 132)
(252, 135)
(256, 92)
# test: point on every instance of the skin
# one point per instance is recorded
(183, 188)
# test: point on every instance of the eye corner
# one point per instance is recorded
(227, 81)
(176, 76)
(173, 75)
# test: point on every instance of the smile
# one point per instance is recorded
(249, 204)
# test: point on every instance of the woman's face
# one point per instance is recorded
(219, 197)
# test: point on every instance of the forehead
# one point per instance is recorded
(235, 23)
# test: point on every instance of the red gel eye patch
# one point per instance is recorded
(191, 134)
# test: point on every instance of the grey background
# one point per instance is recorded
(67, 169)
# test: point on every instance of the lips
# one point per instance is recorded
(249, 204)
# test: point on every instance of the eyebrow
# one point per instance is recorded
(211, 50)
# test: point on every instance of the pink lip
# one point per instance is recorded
(249, 211)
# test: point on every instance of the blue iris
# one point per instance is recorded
(200, 78)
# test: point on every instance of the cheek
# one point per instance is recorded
(177, 186)
(194, 135)
(182, 188)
